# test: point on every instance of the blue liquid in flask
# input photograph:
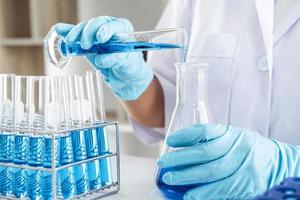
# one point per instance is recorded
(113, 47)
(103, 146)
(19, 157)
(66, 176)
(47, 162)
(79, 152)
(171, 191)
(94, 176)
(6, 150)
(35, 158)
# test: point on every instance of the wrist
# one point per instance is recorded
(289, 161)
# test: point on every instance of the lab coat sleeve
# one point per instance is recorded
(177, 14)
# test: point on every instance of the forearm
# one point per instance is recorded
(148, 109)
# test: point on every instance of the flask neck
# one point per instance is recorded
(191, 83)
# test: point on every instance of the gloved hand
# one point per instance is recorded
(227, 162)
(126, 73)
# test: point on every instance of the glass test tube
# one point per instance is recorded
(37, 121)
(6, 138)
(67, 183)
(98, 116)
(21, 112)
(78, 138)
(94, 175)
(58, 51)
(54, 112)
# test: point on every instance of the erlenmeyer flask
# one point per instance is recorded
(190, 109)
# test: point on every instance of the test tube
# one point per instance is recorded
(94, 175)
(54, 113)
(58, 51)
(78, 138)
(67, 183)
(37, 121)
(6, 138)
(98, 116)
(21, 106)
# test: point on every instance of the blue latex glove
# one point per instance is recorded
(126, 73)
(228, 162)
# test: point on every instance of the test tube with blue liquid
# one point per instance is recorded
(6, 138)
(67, 176)
(96, 99)
(37, 121)
(96, 115)
(55, 121)
(47, 162)
(58, 51)
(21, 141)
(75, 90)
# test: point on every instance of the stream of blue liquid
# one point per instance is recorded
(113, 47)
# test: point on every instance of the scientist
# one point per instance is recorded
(234, 163)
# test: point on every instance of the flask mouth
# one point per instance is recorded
(52, 46)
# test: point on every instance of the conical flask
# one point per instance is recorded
(190, 109)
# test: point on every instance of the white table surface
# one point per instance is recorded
(137, 179)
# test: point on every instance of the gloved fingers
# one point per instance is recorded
(111, 60)
(228, 188)
(107, 31)
(197, 133)
(88, 36)
(75, 33)
(198, 154)
(63, 29)
(212, 171)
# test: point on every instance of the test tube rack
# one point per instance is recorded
(92, 194)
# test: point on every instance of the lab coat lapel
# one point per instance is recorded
(288, 22)
(265, 13)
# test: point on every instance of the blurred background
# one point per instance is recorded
(24, 24)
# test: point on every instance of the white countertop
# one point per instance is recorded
(137, 179)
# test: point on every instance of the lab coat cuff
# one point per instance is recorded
(148, 135)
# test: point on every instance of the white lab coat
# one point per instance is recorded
(265, 94)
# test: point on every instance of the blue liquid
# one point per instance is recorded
(34, 182)
(171, 191)
(19, 175)
(67, 182)
(35, 158)
(6, 148)
(47, 162)
(36, 151)
(79, 152)
(113, 47)
(103, 145)
(19, 182)
(94, 175)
